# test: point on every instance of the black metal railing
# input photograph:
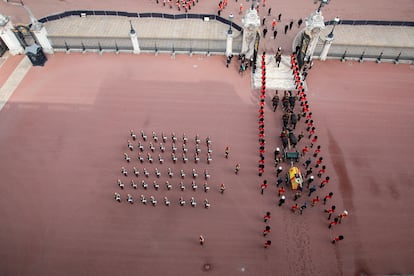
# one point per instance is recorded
(373, 22)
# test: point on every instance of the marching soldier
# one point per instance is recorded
(117, 197)
(133, 135)
(182, 186)
(120, 184)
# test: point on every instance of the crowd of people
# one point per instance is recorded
(298, 129)
(180, 5)
(146, 166)
(297, 117)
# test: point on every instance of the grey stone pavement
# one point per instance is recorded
(113, 26)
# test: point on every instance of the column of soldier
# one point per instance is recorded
(290, 120)
(141, 153)
(261, 117)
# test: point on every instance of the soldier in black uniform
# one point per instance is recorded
(275, 101)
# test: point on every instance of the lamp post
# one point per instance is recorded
(131, 31)
(328, 41)
(134, 39)
(336, 22)
(229, 39)
(323, 3)
(231, 17)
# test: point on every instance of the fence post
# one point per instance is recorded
(100, 48)
(116, 48)
(83, 48)
(397, 59)
(343, 57)
(361, 58)
(67, 48)
(379, 58)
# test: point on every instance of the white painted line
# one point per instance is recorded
(14, 80)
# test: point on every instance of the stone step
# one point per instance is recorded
(280, 78)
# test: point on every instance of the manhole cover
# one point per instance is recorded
(207, 267)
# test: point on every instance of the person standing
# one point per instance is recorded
(315, 201)
(305, 150)
(237, 169)
(275, 101)
(264, 32)
(286, 28)
(327, 197)
(133, 135)
(274, 34)
(321, 171)
(308, 172)
(334, 222)
(281, 191)
(278, 171)
(267, 216)
(317, 151)
(301, 134)
(282, 200)
(117, 197)
(279, 17)
(279, 181)
(300, 22)
(319, 162)
(222, 188)
(324, 182)
(294, 208)
(274, 23)
(266, 231)
(307, 162)
(330, 211)
(278, 59)
(303, 207)
(298, 194)
(290, 24)
(263, 186)
(227, 152)
(269, 11)
(312, 190)
(342, 215)
(201, 239)
(337, 239)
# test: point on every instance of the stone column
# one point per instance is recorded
(40, 33)
(229, 43)
(251, 24)
(326, 47)
(314, 26)
(9, 37)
